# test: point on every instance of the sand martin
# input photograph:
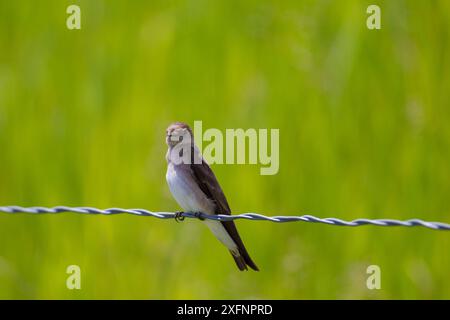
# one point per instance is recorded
(196, 189)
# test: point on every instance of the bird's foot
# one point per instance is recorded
(178, 216)
(199, 215)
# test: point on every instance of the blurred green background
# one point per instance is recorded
(364, 132)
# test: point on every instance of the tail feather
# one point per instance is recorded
(242, 260)
(249, 260)
(242, 255)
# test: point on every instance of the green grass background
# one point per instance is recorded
(364, 132)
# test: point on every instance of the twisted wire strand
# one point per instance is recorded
(246, 216)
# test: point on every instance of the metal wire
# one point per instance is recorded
(247, 216)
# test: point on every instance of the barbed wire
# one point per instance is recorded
(246, 216)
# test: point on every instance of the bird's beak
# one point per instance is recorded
(169, 138)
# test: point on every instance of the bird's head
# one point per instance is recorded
(178, 132)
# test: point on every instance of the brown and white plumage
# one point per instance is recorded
(196, 189)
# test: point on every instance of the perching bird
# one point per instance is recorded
(195, 188)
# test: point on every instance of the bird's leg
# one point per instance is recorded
(178, 216)
(199, 215)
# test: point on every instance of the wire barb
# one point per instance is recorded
(245, 216)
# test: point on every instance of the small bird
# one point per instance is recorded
(196, 189)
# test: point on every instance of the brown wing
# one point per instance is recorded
(210, 186)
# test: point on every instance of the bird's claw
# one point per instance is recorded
(198, 215)
(178, 216)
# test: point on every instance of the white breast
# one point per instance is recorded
(186, 192)
(192, 199)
